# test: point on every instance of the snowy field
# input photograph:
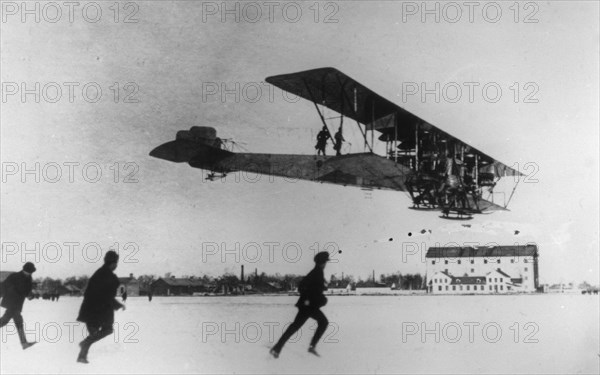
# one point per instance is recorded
(556, 334)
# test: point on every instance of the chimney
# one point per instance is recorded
(373, 275)
(131, 276)
(242, 275)
(256, 272)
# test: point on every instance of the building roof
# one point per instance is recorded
(338, 284)
(371, 284)
(446, 273)
(482, 251)
(502, 273)
(181, 282)
(72, 288)
(127, 280)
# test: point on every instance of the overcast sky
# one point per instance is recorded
(172, 220)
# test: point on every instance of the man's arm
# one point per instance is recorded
(116, 305)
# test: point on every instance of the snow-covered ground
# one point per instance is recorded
(368, 334)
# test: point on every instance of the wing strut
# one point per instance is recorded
(316, 106)
(513, 191)
(353, 109)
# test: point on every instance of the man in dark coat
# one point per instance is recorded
(99, 304)
(322, 138)
(311, 300)
(337, 144)
(16, 287)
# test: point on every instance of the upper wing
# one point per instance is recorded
(335, 90)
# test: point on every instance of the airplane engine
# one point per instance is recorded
(200, 134)
(204, 134)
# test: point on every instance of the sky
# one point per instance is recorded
(164, 62)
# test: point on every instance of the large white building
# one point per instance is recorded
(482, 270)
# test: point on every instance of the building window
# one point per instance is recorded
(495, 279)
(490, 280)
(446, 270)
(461, 287)
(453, 287)
(433, 262)
(501, 279)
(459, 262)
(472, 270)
(472, 261)
(445, 262)
(467, 287)
(446, 287)
(525, 268)
(485, 261)
(482, 287)
(501, 287)
(440, 288)
(498, 260)
(490, 287)
(524, 260)
(512, 260)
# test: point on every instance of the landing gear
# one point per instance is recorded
(215, 175)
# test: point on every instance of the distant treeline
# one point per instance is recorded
(285, 282)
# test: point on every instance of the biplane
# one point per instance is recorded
(438, 171)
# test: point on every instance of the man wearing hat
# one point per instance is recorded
(311, 300)
(99, 304)
(16, 287)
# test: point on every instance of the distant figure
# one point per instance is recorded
(124, 296)
(322, 138)
(150, 296)
(99, 304)
(338, 139)
(57, 296)
(311, 300)
(16, 287)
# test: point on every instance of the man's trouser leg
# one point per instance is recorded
(18, 319)
(322, 326)
(96, 333)
(298, 322)
(8, 315)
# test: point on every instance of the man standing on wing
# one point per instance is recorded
(16, 287)
(309, 305)
(99, 304)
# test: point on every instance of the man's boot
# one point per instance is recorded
(85, 347)
(23, 339)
